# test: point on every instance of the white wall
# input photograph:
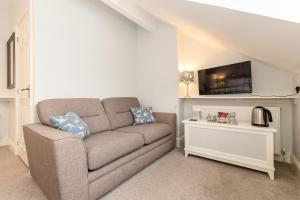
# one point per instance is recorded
(82, 49)
(266, 79)
(4, 35)
(269, 80)
(156, 73)
(296, 133)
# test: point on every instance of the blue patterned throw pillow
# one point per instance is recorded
(71, 123)
(142, 115)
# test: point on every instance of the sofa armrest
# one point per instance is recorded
(57, 162)
(168, 118)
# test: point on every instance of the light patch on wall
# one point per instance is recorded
(186, 68)
(184, 63)
(200, 35)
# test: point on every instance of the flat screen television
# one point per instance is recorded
(229, 79)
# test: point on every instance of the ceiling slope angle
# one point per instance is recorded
(133, 12)
(273, 41)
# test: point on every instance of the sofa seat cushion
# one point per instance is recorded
(103, 148)
(96, 174)
(150, 132)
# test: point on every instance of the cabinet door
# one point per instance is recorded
(229, 141)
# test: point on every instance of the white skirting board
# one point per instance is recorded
(3, 142)
(287, 158)
(12, 146)
(296, 161)
(179, 142)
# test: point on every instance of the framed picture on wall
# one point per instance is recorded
(11, 62)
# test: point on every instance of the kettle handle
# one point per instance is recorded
(267, 115)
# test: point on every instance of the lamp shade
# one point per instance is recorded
(187, 76)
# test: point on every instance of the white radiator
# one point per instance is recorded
(244, 114)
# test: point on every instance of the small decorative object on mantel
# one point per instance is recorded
(11, 62)
(223, 117)
(197, 115)
(209, 118)
(232, 118)
(187, 77)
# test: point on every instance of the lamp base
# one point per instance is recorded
(187, 90)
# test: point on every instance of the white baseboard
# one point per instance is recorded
(296, 161)
(179, 141)
(12, 146)
(3, 142)
(287, 158)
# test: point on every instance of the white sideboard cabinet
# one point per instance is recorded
(243, 145)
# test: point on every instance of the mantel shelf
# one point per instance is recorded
(240, 97)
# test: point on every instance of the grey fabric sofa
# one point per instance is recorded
(68, 168)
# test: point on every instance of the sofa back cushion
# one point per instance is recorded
(90, 111)
(119, 110)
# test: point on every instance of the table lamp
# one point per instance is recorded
(187, 77)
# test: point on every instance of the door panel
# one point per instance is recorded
(23, 84)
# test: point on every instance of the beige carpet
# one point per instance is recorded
(15, 180)
(173, 177)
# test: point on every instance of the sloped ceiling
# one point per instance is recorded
(279, 9)
(270, 40)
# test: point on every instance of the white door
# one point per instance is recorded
(24, 111)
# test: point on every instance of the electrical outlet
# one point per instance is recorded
(297, 89)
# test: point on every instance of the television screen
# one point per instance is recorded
(229, 79)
